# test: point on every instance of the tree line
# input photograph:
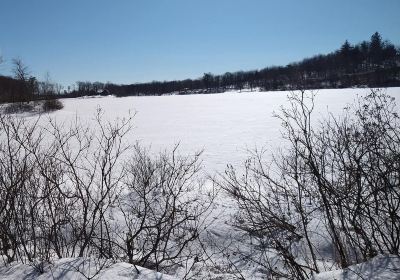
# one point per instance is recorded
(373, 63)
(25, 92)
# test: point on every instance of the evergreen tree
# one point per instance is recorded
(376, 49)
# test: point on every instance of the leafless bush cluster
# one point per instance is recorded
(162, 209)
(82, 191)
(52, 105)
(331, 198)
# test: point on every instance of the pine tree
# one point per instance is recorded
(376, 49)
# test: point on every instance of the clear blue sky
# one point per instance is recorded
(126, 41)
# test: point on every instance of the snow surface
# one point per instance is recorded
(80, 268)
(381, 267)
(225, 126)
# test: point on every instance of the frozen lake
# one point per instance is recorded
(223, 125)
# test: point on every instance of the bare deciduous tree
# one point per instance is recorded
(21, 71)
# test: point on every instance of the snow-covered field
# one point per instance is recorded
(225, 126)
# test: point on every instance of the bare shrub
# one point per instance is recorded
(52, 105)
(92, 168)
(19, 204)
(163, 209)
(332, 196)
(83, 191)
(18, 107)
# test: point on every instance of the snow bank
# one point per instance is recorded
(80, 268)
(380, 267)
